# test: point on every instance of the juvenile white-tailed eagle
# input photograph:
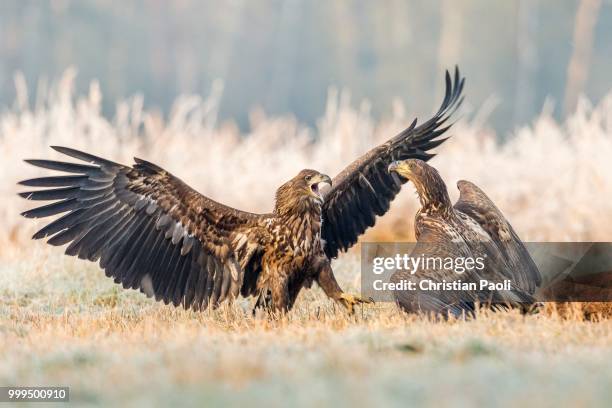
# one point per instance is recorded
(151, 231)
(473, 228)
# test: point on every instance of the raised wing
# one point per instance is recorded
(148, 229)
(365, 189)
(476, 204)
(439, 240)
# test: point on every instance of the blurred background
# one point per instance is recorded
(284, 55)
(237, 97)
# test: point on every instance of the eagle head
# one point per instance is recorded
(307, 182)
(411, 169)
(303, 189)
(427, 181)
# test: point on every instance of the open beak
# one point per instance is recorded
(315, 185)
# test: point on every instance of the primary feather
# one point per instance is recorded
(473, 228)
(150, 231)
(365, 189)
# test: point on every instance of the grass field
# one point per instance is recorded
(63, 323)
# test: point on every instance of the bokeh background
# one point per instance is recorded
(235, 98)
(284, 55)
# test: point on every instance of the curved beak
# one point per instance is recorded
(325, 179)
(315, 185)
(393, 166)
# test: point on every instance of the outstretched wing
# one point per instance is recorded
(476, 204)
(148, 229)
(365, 189)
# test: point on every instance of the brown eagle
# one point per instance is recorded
(473, 228)
(151, 231)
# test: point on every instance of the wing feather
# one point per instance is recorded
(367, 181)
(439, 239)
(192, 278)
(147, 228)
(478, 206)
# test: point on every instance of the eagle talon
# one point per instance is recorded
(349, 301)
(150, 230)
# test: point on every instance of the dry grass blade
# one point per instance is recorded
(63, 323)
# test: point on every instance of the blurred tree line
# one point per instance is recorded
(284, 55)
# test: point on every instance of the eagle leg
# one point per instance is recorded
(275, 300)
(264, 301)
(327, 282)
(349, 301)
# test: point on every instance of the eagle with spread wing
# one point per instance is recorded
(472, 228)
(151, 231)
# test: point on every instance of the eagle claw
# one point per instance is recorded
(349, 301)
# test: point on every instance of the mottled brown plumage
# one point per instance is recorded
(474, 203)
(472, 228)
(151, 231)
